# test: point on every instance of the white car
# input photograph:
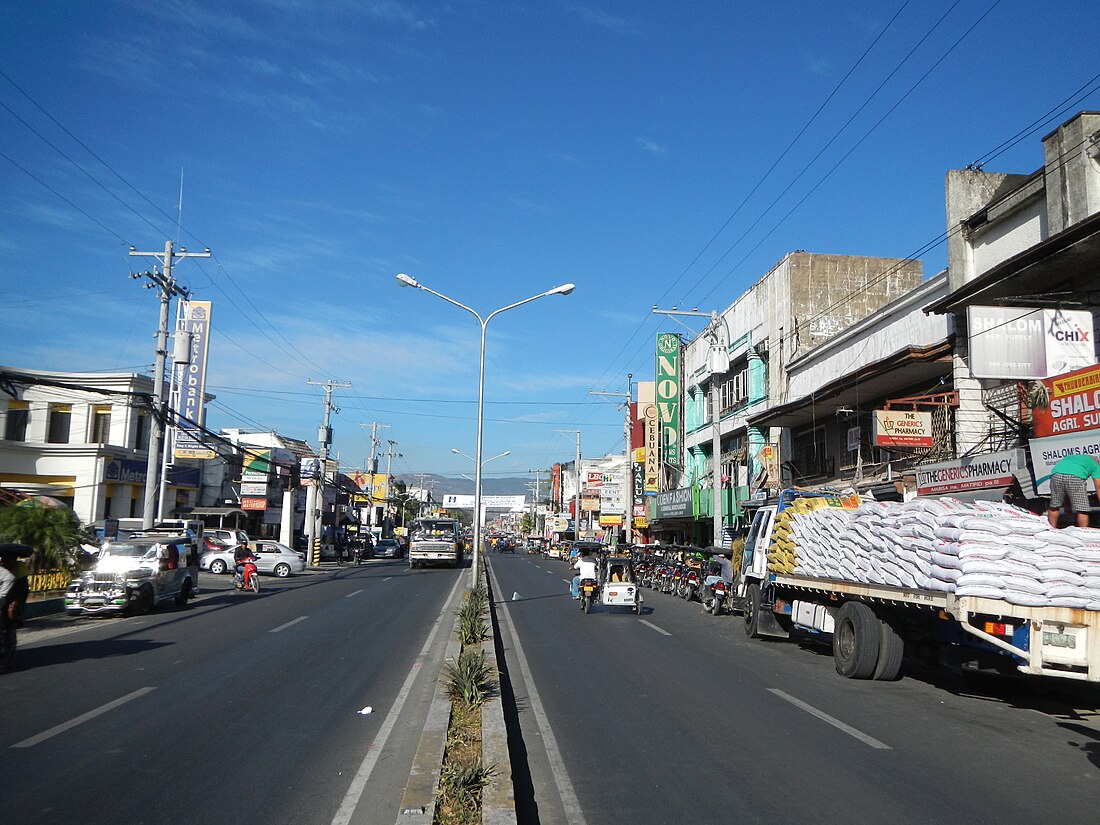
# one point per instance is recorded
(272, 557)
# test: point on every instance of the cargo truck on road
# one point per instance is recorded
(872, 624)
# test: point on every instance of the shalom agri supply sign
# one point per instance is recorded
(1067, 403)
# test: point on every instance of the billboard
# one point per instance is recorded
(1046, 452)
(1020, 342)
(191, 381)
(1066, 403)
(455, 501)
(668, 396)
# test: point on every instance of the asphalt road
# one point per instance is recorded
(676, 716)
(239, 708)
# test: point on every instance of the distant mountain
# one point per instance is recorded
(490, 486)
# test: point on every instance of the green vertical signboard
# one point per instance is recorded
(668, 396)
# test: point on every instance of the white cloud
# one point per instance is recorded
(651, 146)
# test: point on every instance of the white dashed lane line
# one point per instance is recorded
(660, 630)
(84, 717)
(836, 723)
(291, 623)
(353, 593)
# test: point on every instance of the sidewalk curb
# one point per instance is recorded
(498, 798)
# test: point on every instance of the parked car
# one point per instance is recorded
(271, 557)
(388, 549)
(226, 538)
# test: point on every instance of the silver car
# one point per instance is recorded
(272, 557)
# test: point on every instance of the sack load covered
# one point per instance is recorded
(983, 548)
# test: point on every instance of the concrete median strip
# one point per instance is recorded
(498, 805)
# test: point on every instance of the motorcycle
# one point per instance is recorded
(588, 589)
(689, 584)
(716, 595)
(248, 578)
(362, 553)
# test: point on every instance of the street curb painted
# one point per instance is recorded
(418, 801)
(498, 797)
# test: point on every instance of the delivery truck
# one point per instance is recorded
(983, 585)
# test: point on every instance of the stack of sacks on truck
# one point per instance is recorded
(987, 549)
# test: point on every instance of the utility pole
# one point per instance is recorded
(313, 507)
(168, 289)
(372, 466)
(628, 432)
(535, 505)
(390, 455)
(577, 493)
(712, 334)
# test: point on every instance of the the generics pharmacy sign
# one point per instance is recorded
(1019, 343)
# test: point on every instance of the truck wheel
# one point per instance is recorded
(856, 640)
(184, 595)
(752, 611)
(891, 650)
(143, 601)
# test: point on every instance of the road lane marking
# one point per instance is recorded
(79, 720)
(354, 593)
(288, 624)
(836, 723)
(569, 802)
(387, 578)
(351, 799)
(660, 630)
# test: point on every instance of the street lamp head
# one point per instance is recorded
(456, 451)
(564, 289)
(407, 280)
(506, 452)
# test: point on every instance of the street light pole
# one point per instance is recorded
(564, 289)
(456, 451)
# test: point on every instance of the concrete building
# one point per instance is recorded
(82, 438)
(1020, 240)
(803, 301)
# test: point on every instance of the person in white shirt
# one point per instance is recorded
(585, 565)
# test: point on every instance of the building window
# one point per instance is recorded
(15, 424)
(101, 425)
(141, 432)
(60, 418)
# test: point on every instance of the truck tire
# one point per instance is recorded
(752, 611)
(184, 595)
(856, 641)
(891, 650)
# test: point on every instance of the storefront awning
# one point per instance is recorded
(910, 367)
(1060, 271)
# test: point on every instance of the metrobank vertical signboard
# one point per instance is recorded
(668, 396)
(192, 382)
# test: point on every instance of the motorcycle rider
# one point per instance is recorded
(242, 554)
(585, 565)
(14, 588)
(719, 567)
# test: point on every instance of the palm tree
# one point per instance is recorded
(53, 532)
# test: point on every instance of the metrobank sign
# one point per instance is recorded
(668, 395)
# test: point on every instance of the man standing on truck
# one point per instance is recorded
(1067, 483)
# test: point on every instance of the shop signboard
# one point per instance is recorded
(252, 488)
(652, 450)
(668, 395)
(1019, 343)
(976, 472)
(1046, 452)
(253, 503)
(906, 429)
(1067, 403)
(676, 504)
(191, 382)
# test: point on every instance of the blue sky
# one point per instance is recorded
(642, 151)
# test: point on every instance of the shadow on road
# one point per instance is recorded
(60, 654)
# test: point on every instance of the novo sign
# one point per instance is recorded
(1020, 343)
(668, 396)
